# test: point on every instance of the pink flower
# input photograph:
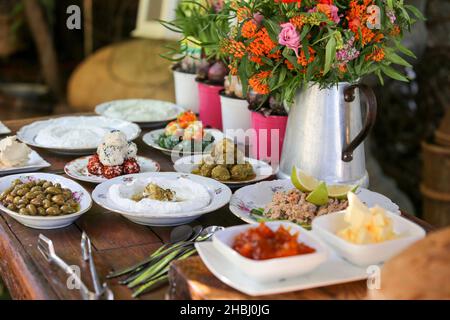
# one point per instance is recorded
(258, 17)
(334, 14)
(289, 37)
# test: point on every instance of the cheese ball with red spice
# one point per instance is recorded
(131, 166)
(110, 172)
(94, 166)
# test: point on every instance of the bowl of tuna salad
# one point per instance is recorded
(280, 200)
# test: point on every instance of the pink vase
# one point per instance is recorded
(209, 105)
(270, 131)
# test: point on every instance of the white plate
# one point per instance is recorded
(28, 134)
(259, 195)
(77, 169)
(151, 139)
(333, 271)
(141, 111)
(262, 169)
(4, 129)
(220, 196)
(36, 222)
(35, 163)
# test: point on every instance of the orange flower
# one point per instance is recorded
(233, 69)
(249, 29)
(258, 82)
(378, 38)
(343, 68)
(256, 60)
(357, 17)
(289, 65)
(235, 48)
(243, 13)
(395, 31)
(302, 57)
(262, 44)
(297, 21)
(377, 55)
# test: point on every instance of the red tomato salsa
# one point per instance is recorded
(261, 243)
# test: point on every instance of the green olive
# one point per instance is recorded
(53, 211)
(23, 201)
(9, 199)
(41, 211)
(32, 209)
(23, 191)
(67, 209)
(16, 200)
(67, 194)
(46, 203)
(11, 207)
(36, 188)
(24, 211)
(16, 182)
(53, 190)
(58, 199)
(36, 201)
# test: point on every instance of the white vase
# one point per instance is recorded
(186, 91)
(235, 113)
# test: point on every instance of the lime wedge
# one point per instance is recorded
(303, 181)
(319, 196)
(340, 191)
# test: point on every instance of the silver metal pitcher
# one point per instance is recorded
(325, 134)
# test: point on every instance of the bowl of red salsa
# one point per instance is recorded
(271, 251)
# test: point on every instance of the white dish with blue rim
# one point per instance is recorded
(259, 195)
(80, 194)
(219, 194)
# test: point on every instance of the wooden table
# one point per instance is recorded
(117, 243)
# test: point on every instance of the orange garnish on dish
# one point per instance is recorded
(261, 243)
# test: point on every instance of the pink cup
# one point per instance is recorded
(209, 105)
(269, 131)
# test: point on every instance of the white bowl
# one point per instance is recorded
(367, 254)
(80, 194)
(272, 269)
(220, 196)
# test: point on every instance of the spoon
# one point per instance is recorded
(180, 233)
(197, 230)
(208, 233)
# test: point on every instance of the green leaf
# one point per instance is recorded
(395, 58)
(330, 53)
(380, 77)
(405, 50)
(243, 75)
(392, 73)
(415, 12)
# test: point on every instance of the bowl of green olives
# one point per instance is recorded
(43, 201)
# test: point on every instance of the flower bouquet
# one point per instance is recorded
(278, 46)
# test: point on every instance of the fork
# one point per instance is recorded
(45, 246)
(101, 290)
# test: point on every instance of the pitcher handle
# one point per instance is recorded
(371, 115)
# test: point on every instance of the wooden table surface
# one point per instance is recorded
(117, 243)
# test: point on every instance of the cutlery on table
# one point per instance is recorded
(101, 290)
(45, 246)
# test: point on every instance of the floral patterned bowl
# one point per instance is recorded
(80, 194)
(220, 196)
